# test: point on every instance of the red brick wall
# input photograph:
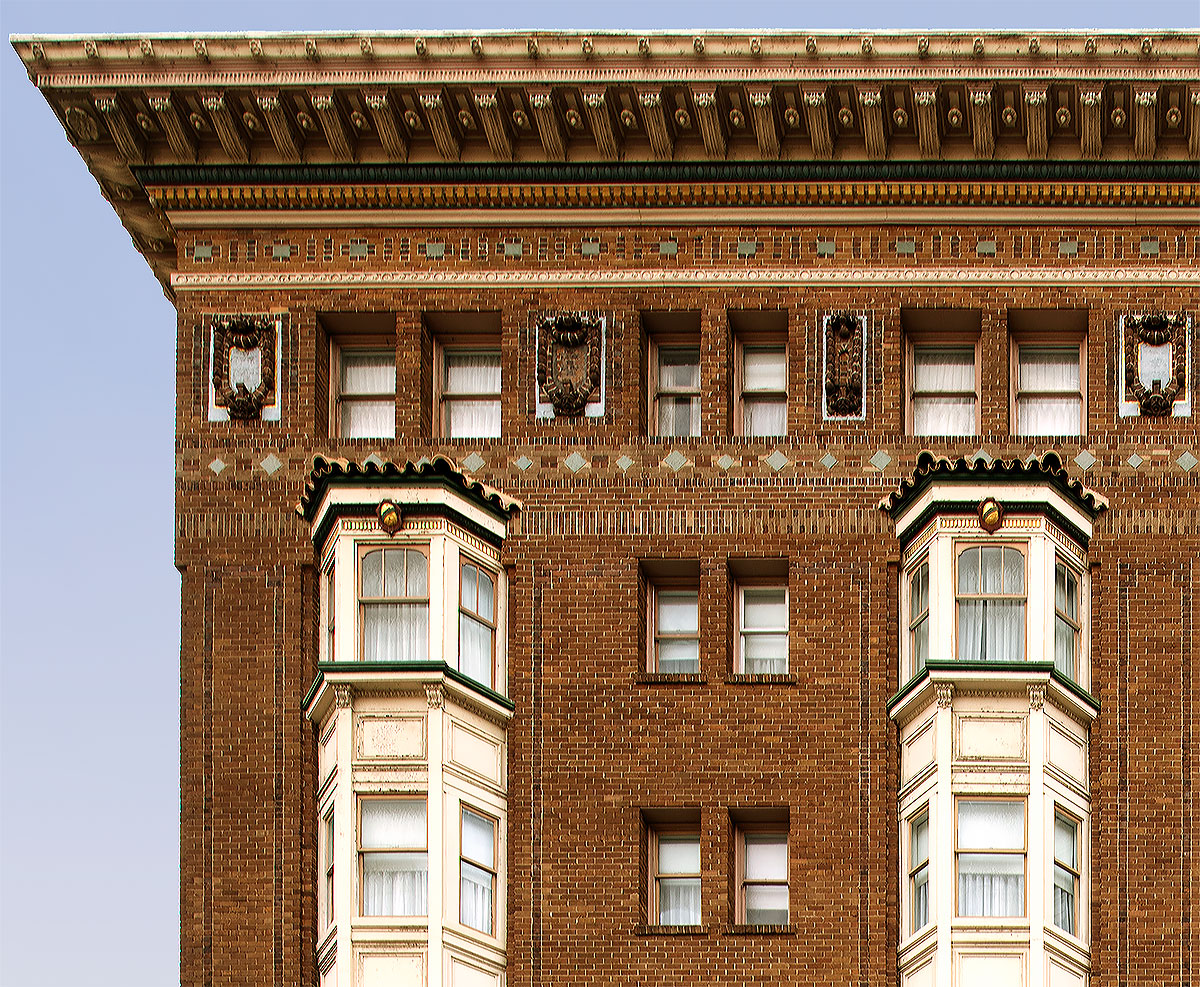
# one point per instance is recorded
(591, 745)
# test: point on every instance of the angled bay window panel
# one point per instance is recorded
(918, 876)
(944, 390)
(1067, 630)
(918, 608)
(477, 624)
(394, 858)
(394, 604)
(991, 857)
(470, 394)
(991, 604)
(1066, 873)
(477, 872)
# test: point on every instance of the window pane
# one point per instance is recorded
(1003, 630)
(1049, 416)
(472, 373)
(395, 883)
(937, 368)
(920, 644)
(369, 373)
(943, 416)
(679, 657)
(472, 419)
(992, 570)
(765, 654)
(1064, 899)
(393, 572)
(679, 416)
(478, 838)
(679, 901)
(968, 571)
(767, 905)
(991, 884)
(1065, 832)
(764, 370)
(372, 574)
(393, 823)
(920, 841)
(368, 419)
(920, 899)
(991, 825)
(919, 595)
(487, 596)
(764, 417)
(1064, 647)
(678, 369)
(1014, 571)
(1048, 368)
(418, 574)
(395, 632)
(766, 857)
(475, 898)
(1066, 591)
(678, 613)
(679, 855)
(470, 594)
(764, 609)
(475, 649)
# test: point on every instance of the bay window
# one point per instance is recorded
(477, 871)
(990, 852)
(393, 856)
(477, 623)
(394, 604)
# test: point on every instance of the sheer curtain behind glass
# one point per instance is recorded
(918, 609)
(991, 858)
(395, 866)
(678, 397)
(395, 605)
(991, 604)
(764, 390)
(477, 878)
(766, 871)
(471, 394)
(764, 630)
(678, 880)
(1066, 872)
(677, 631)
(943, 390)
(367, 394)
(1049, 399)
(1066, 621)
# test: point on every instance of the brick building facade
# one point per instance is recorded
(698, 373)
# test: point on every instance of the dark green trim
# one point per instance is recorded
(416, 510)
(955, 665)
(407, 666)
(658, 172)
(1024, 508)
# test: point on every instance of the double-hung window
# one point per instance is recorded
(676, 631)
(763, 630)
(676, 390)
(990, 856)
(393, 856)
(365, 393)
(762, 403)
(326, 909)
(1066, 872)
(477, 623)
(918, 870)
(477, 872)
(763, 882)
(1049, 388)
(1067, 627)
(469, 393)
(918, 617)
(991, 603)
(675, 877)
(944, 389)
(394, 604)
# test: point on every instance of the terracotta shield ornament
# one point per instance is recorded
(568, 362)
(844, 354)
(240, 388)
(1156, 354)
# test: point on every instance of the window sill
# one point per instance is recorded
(671, 930)
(762, 930)
(752, 678)
(671, 678)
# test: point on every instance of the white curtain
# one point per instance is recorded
(944, 390)
(395, 631)
(1065, 853)
(365, 374)
(475, 649)
(679, 416)
(395, 881)
(369, 373)
(764, 371)
(761, 416)
(473, 374)
(1043, 376)
(678, 370)
(991, 884)
(368, 419)
(677, 632)
(472, 419)
(679, 901)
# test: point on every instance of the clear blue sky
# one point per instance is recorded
(89, 597)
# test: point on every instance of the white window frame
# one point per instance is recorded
(1023, 853)
(923, 813)
(763, 585)
(363, 852)
(743, 344)
(964, 545)
(484, 568)
(362, 550)
(493, 868)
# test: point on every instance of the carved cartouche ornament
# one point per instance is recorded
(1158, 329)
(244, 333)
(843, 364)
(568, 362)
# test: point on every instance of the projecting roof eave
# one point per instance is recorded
(1045, 469)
